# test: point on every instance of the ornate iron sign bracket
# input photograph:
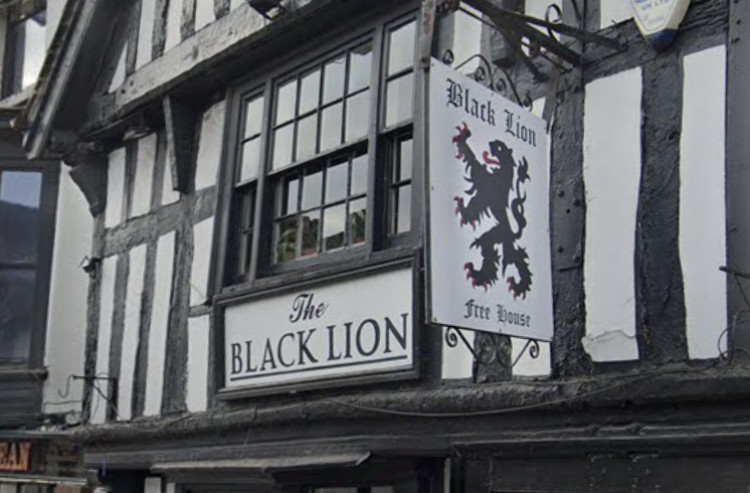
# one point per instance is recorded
(453, 335)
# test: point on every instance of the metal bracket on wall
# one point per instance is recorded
(453, 335)
(526, 37)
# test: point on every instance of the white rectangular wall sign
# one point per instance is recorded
(350, 328)
(489, 243)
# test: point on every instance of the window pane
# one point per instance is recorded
(286, 101)
(359, 175)
(357, 116)
(290, 195)
(330, 135)
(333, 85)
(403, 209)
(333, 227)
(310, 232)
(404, 159)
(282, 146)
(21, 187)
(307, 133)
(309, 92)
(34, 44)
(401, 48)
(399, 100)
(16, 310)
(286, 240)
(19, 215)
(360, 68)
(253, 117)
(312, 190)
(336, 182)
(247, 220)
(250, 160)
(357, 221)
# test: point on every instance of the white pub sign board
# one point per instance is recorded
(350, 328)
(489, 243)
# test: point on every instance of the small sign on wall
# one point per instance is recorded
(15, 456)
(659, 20)
(350, 328)
(489, 244)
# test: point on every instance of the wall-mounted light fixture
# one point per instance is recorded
(270, 9)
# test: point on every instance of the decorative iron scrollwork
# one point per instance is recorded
(488, 356)
(497, 79)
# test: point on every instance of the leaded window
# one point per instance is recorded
(319, 148)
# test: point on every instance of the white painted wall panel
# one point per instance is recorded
(538, 8)
(458, 362)
(202, 238)
(233, 4)
(104, 339)
(119, 76)
(197, 364)
(54, 13)
(209, 146)
(702, 200)
(145, 33)
(115, 188)
(174, 20)
(612, 170)
(131, 331)
(168, 194)
(614, 12)
(204, 14)
(157, 341)
(467, 39)
(144, 175)
(66, 315)
(531, 367)
(152, 484)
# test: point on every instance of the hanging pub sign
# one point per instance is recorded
(489, 244)
(351, 328)
(659, 20)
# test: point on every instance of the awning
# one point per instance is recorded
(265, 464)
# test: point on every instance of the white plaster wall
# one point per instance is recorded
(233, 4)
(8, 488)
(527, 366)
(145, 33)
(152, 484)
(54, 13)
(614, 11)
(171, 488)
(458, 362)
(467, 39)
(612, 170)
(538, 9)
(67, 311)
(174, 19)
(209, 146)
(144, 175)
(131, 332)
(115, 188)
(202, 238)
(119, 76)
(204, 14)
(702, 200)
(168, 194)
(104, 339)
(197, 364)
(157, 341)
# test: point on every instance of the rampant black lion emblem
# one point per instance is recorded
(491, 186)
